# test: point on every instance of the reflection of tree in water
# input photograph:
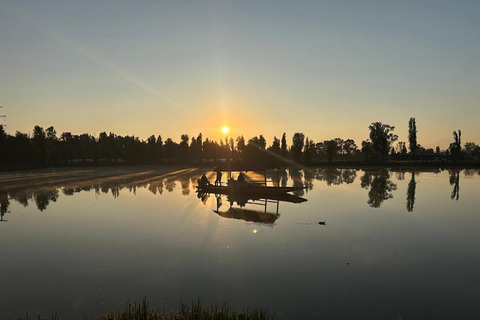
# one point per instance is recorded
(4, 204)
(411, 193)
(469, 172)
(309, 175)
(366, 180)
(335, 176)
(454, 178)
(297, 177)
(115, 192)
(381, 189)
(43, 198)
(21, 197)
(44, 193)
(185, 183)
(400, 175)
(156, 187)
(283, 176)
(349, 175)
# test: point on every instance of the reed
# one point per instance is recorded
(196, 310)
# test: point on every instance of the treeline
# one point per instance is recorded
(45, 148)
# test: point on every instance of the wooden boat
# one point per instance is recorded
(249, 190)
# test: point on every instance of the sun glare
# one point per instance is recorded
(225, 129)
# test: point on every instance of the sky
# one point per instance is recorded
(324, 68)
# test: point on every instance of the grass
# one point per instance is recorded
(195, 311)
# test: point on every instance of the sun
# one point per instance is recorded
(225, 129)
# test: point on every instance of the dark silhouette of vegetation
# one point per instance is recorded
(456, 146)
(412, 136)
(44, 147)
(298, 142)
(382, 138)
(196, 310)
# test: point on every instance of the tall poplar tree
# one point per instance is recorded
(412, 136)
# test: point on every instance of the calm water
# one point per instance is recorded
(395, 245)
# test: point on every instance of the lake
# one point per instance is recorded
(396, 244)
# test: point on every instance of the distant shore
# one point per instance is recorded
(334, 164)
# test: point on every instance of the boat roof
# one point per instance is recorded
(247, 166)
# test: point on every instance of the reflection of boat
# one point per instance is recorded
(248, 215)
(253, 215)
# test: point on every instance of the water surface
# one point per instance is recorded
(395, 244)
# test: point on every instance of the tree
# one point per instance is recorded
(170, 147)
(160, 149)
(284, 145)
(309, 150)
(367, 148)
(349, 147)
(456, 146)
(401, 148)
(382, 138)
(470, 147)
(298, 142)
(184, 147)
(152, 149)
(240, 145)
(412, 136)
(275, 147)
(331, 148)
(39, 146)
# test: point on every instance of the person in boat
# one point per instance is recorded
(203, 181)
(218, 181)
(231, 183)
(241, 180)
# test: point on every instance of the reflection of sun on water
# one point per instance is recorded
(225, 129)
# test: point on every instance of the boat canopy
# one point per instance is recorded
(246, 166)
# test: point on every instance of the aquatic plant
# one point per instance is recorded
(194, 311)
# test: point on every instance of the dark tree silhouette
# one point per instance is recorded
(412, 136)
(309, 151)
(298, 142)
(38, 141)
(183, 148)
(382, 138)
(367, 148)
(275, 147)
(240, 146)
(160, 149)
(349, 147)
(284, 145)
(456, 146)
(332, 147)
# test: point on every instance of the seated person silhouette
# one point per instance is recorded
(203, 181)
(241, 180)
(231, 183)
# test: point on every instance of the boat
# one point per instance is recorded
(248, 190)
(256, 189)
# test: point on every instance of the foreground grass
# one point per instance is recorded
(195, 311)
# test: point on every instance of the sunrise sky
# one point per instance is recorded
(324, 68)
